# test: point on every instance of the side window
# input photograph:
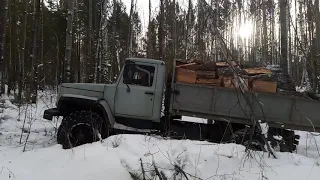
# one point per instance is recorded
(141, 75)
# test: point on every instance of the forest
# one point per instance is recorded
(46, 42)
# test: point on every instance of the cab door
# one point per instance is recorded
(135, 92)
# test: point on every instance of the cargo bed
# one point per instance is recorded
(227, 104)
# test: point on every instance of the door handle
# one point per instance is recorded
(149, 92)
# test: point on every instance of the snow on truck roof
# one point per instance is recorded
(154, 61)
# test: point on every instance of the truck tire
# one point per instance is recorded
(289, 140)
(242, 137)
(81, 127)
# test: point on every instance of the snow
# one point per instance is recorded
(101, 160)
(301, 88)
(12, 123)
(38, 156)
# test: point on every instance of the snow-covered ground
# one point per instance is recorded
(37, 156)
(16, 123)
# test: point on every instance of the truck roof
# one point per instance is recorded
(154, 61)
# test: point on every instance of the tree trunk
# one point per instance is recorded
(42, 73)
(99, 46)
(284, 36)
(174, 36)
(161, 31)
(113, 45)
(3, 27)
(289, 38)
(149, 35)
(129, 41)
(317, 18)
(14, 49)
(273, 46)
(239, 41)
(187, 30)
(22, 52)
(265, 35)
(77, 75)
(296, 62)
(68, 50)
(217, 25)
(35, 52)
(90, 64)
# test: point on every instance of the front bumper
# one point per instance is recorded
(49, 113)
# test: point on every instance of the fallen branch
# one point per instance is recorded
(178, 169)
(160, 175)
(142, 169)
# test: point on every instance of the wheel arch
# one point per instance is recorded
(68, 104)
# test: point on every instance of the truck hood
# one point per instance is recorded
(84, 86)
(80, 90)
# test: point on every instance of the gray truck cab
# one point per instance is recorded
(88, 108)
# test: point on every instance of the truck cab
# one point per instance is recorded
(136, 96)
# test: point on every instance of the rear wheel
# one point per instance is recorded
(82, 127)
(283, 139)
(243, 137)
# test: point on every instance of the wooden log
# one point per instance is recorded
(179, 63)
(284, 82)
(207, 74)
(252, 71)
(190, 66)
(208, 66)
(226, 81)
(230, 82)
(186, 76)
(211, 82)
(182, 61)
(186, 65)
(227, 71)
(264, 86)
(225, 64)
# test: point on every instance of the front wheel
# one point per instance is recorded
(82, 127)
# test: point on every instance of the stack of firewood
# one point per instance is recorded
(207, 73)
(219, 74)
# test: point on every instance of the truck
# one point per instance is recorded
(146, 98)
